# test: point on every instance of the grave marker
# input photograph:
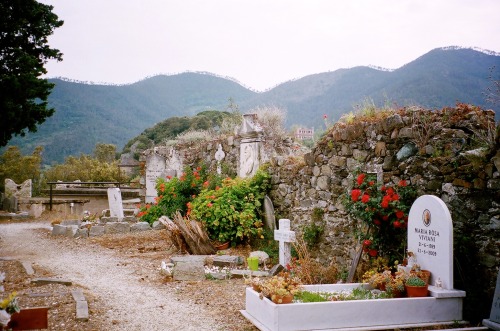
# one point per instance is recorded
(219, 156)
(494, 321)
(430, 238)
(155, 166)
(115, 202)
(285, 238)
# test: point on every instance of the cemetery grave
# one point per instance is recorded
(430, 237)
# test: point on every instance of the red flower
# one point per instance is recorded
(205, 184)
(360, 179)
(400, 214)
(169, 177)
(385, 218)
(396, 224)
(212, 197)
(384, 204)
(365, 198)
(377, 222)
(383, 188)
(371, 183)
(209, 204)
(395, 197)
(367, 242)
(402, 183)
(355, 195)
(372, 252)
(390, 191)
(199, 168)
(325, 116)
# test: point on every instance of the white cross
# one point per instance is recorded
(285, 238)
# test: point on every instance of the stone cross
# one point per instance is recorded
(285, 238)
(219, 156)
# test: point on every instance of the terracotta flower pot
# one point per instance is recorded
(281, 299)
(257, 288)
(222, 246)
(417, 291)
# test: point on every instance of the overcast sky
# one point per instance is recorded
(260, 43)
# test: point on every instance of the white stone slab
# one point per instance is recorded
(430, 237)
(356, 314)
(115, 202)
(155, 166)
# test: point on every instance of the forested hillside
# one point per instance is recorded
(89, 114)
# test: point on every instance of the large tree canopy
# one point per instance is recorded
(24, 28)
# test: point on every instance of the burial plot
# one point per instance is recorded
(443, 306)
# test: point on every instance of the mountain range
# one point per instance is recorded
(87, 114)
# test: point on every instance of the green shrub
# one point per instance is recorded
(175, 193)
(231, 212)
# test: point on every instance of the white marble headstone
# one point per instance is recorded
(430, 237)
(155, 166)
(115, 202)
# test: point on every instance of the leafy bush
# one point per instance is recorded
(174, 194)
(231, 212)
(384, 212)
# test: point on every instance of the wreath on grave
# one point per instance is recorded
(383, 211)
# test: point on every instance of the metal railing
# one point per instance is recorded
(51, 184)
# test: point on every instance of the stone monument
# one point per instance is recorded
(115, 202)
(251, 137)
(430, 238)
(285, 238)
(155, 166)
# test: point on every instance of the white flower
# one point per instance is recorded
(4, 318)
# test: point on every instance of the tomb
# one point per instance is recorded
(430, 216)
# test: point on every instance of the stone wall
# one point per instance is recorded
(452, 153)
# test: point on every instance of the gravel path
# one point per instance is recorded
(135, 305)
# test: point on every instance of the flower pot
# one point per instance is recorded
(222, 246)
(281, 299)
(253, 263)
(416, 291)
(425, 275)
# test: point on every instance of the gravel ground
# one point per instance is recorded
(120, 279)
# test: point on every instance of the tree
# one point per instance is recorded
(20, 167)
(24, 28)
(105, 153)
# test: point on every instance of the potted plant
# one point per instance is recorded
(255, 282)
(416, 286)
(396, 285)
(280, 288)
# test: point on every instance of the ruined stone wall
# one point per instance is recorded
(450, 153)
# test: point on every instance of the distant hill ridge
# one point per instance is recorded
(89, 113)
